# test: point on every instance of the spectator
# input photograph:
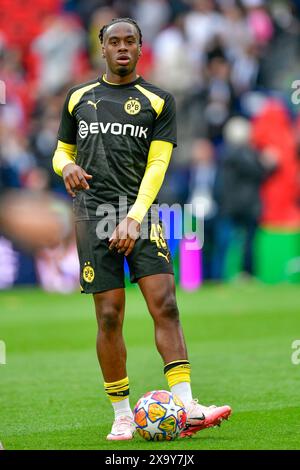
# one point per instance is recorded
(58, 268)
(273, 130)
(152, 16)
(172, 55)
(202, 186)
(62, 37)
(203, 25)
(241, 173)
(259, 21)
(8, 264)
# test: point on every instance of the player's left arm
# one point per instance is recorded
(158, 161)
(163, 141)
(125, 235)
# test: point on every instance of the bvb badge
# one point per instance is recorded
(132, 106)
(88, 272)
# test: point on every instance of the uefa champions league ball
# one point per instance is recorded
(159, 416)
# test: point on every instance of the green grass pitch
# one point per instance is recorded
(240, 345)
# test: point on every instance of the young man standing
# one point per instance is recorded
(115, 143)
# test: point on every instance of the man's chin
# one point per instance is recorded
(123, 70)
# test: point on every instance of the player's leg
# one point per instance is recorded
(102, 274)
(111, 351)
(111, 348)
(159, 293)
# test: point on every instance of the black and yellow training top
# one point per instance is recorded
(123, 136)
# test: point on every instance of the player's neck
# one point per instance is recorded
(114, 79)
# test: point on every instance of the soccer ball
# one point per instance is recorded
(159, 416)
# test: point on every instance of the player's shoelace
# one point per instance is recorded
(194, 405)
(122, 425)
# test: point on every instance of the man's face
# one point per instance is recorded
(121, 48)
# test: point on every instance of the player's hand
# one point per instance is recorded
(125, 235)
(75, 178)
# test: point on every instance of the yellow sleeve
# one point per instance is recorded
(158, 160)
(63, 155)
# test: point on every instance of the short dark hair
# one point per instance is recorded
(120, 20)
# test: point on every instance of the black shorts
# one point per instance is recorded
(102, 269)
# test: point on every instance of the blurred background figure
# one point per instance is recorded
(62, 37)
(34, 219)
(202, 195)
(8, 264)
(230, 65)
(242, 170)
(58, 267)
(273, 132)
(172, 56)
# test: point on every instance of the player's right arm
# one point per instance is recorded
(64, 164)
(64, 159)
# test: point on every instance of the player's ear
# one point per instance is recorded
(103, 52)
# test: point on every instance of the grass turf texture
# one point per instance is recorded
(239, 340)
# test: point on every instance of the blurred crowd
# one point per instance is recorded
(230, 64)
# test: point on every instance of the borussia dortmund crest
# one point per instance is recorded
(132, 106)
(88, 272)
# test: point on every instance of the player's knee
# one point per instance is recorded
(168, 309)
(109, 320)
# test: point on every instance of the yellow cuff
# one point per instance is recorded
(117, 391)
(177, 372)
(64, 154)
(138, 211)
